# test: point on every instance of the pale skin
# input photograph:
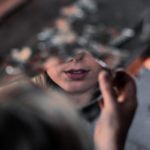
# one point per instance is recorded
(119, 97)
(117, 110)
(80, 92)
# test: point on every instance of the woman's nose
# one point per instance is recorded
(78, 57)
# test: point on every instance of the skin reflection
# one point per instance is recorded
(78, 76)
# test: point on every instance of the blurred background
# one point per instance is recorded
(117, 32)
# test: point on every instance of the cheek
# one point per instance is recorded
(93, 78)
(96, 70)
(57, 77)
(75, 87)
(93, 81)
(53, 75)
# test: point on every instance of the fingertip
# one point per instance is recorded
(106, 87)
(104, 77)
(125, 82)
(125, 72)
(124, 76)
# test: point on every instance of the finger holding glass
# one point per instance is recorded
(119, 105)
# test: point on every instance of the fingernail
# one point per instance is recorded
(106, 78)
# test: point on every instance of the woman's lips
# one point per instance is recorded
(77, 74)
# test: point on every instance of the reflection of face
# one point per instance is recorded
(77, 75)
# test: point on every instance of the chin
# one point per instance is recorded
(76, 88)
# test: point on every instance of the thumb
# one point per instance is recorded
(106, 86)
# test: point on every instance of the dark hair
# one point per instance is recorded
(33, 120)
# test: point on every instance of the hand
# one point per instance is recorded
(117, 110)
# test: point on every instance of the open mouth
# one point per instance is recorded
(77, 74)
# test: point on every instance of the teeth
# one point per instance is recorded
(77, 72)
